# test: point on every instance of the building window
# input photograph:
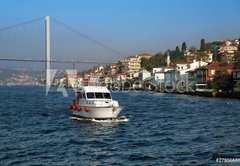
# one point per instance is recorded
(234, 75)
(238, 75)
(212, 72)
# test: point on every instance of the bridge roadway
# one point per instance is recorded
(54, 61)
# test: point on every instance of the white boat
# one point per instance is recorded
(95, 102)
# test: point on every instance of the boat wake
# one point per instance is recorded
(112, 120)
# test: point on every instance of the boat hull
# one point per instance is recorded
(98, 112)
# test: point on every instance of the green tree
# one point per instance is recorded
(155, 61)
(222, 81)
(177, 51)
(202, 46)
(184, 47)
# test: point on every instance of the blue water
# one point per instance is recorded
(163, 129)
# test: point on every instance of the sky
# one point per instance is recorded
(128, 26)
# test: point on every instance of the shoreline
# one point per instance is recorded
(233, 95)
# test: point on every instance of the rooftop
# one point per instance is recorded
(73, 76)
(181, 61)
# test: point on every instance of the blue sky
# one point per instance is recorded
(130, 26)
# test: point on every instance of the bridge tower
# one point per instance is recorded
(47, 51)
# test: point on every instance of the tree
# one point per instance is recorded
(155, 61)
(184, 47)
(222, 81)
(202, 46)
(177, 51)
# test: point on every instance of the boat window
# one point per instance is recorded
(90, 95)
(84, 96)
(99, 95)
(107, 95)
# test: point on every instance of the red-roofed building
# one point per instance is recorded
(143, 55)
(206, 74)
(122, 76)
(230, 42)
(85, 81)
(228, 50)
(113, 69)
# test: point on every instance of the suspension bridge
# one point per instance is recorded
(48, 60)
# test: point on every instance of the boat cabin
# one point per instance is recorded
(94, 93)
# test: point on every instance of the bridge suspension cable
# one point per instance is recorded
(86, 37)
(21, 24)
(73, 30)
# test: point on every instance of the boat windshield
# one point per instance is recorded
(98, 95)
(107, 95)
(90, 95)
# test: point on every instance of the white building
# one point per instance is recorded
(159, 74)
(175, 78)
(131, 64)
(183, 68)
(143, 75)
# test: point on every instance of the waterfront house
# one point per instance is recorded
(159, 75)
(236, 80)
(73, 80)
(206, 74)
(170, 80)
(184, 69)
(144, 74)
(144, 78)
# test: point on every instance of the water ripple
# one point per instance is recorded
(154, 129)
